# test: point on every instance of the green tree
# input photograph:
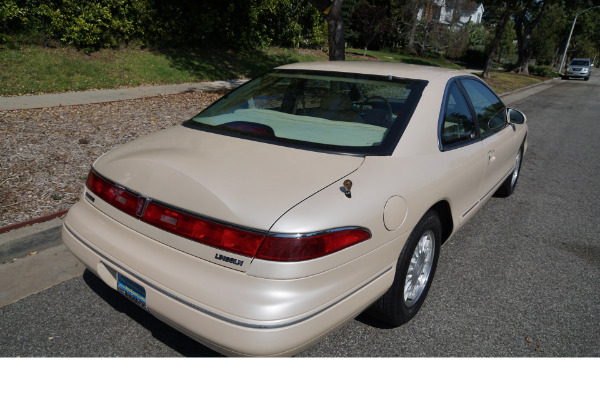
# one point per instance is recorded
(506, 48)
(585, 41)
(370, 21)
(411, 11)
(549, 35)
(503, 10)
(528, 16)
(479, 37)
(351, 35)
(9, 14)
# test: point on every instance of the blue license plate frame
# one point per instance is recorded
(132, 290)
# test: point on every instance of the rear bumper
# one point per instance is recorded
(231, 312)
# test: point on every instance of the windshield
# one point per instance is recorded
(580, 62)
(360, 114)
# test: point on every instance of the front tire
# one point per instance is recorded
(414, 272)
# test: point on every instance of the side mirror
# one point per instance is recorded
(515, 116)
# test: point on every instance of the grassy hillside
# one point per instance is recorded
(45, 70)
(34, 69)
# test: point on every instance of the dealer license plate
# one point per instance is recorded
(132, 290)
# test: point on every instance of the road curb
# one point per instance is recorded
(33, 221)
(19, 240)
(523, 89)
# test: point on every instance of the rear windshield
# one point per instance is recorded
(350, 113)
(580, 62)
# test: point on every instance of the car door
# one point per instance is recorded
(497, 136)
(463, 155)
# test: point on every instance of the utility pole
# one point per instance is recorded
(562, 63)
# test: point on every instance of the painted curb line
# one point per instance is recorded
(31, 236)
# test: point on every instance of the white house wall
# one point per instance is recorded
(447, 12)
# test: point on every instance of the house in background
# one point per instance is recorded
(450, 12)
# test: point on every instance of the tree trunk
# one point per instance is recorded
(335, 27)
(524, 29)
(497, 38)
(411, 36)
(413, 27)
(524, 44)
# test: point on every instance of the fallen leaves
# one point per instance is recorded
(538, 346)
(45, 152)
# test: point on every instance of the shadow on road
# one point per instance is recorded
(161, 331)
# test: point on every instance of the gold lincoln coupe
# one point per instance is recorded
(297, 201)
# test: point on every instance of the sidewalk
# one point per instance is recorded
(108, 95)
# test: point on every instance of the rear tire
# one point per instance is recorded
(414, 272)
(508, 186)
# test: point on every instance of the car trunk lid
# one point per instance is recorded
(241, 182)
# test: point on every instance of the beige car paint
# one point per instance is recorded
(500, 150)
(394, 213)
(229, 175)
(271, 308)
(248, 308)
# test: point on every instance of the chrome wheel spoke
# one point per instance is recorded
(515, 174)
(419, 268)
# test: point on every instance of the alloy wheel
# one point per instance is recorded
(419, 269)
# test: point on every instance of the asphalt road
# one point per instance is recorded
(522, 279)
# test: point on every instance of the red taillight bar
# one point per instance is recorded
(287, 248)
(180, 223)
(116, 196)
(272, 247)
(208, 232)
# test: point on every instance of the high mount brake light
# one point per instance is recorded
(252, 127)
(274, 247)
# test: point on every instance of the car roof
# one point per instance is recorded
(400, 70)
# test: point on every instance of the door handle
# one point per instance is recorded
(491, 156)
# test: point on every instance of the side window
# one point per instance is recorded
(458, 125)
(490, 111)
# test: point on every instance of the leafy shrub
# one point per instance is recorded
(9, 13)
(434, 55)
(542, 70)
(240, 24)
